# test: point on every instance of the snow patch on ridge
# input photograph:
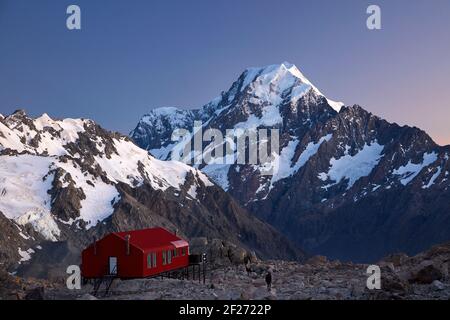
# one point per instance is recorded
(97, 205)
(218, 173)
(50, 143)
(433, 178)
(409, 171)
(270, 117)
(124, 167)
(337, 106)
(23, 192)
(352, 168)
(25, 255)
(283, 163)
(42, 222)
(159, 118)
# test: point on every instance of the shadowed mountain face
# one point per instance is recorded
(62, 182)
(346, 184)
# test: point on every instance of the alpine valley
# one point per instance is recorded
(348, 184)
(348, 189)
(64, 182)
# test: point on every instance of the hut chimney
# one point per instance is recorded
(127, 238)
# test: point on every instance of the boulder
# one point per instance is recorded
(437, 285)
(35, 294)
(393, 283)
(237, 255)
(388, 266)
(426, 273)
(87, 296)
(253, 257)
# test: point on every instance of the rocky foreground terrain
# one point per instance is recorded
(424, 276)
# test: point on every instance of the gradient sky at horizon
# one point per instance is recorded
(133, 56)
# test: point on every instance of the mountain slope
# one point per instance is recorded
(346, 183)
(63, 182)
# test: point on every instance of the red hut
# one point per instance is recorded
(135, 254)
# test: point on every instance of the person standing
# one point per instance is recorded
(248, 267)
(269, 280)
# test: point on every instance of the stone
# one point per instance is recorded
(387, 265)
(253, 257)
(426, 273)
(237, 255)
(437, 285)
(87, 296)
(35, 294)
(393, 283)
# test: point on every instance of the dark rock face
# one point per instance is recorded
(351, 185)
(66, 200)
(83, 182)
(217, 216)
(10, 242)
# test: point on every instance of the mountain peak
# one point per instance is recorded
(276, 72)
(281, 78)
(20, 112)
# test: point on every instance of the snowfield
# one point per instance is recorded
(24, 182)
(283, 166)
(409, 171)
(27, 178)
(20, 139)
(352, 168)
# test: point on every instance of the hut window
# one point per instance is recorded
(164, 257)
(175, 252)
(183, 251)
(169, 256)
(151, 260)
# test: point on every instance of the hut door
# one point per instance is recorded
(112, 265)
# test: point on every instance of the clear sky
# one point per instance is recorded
(132, 56)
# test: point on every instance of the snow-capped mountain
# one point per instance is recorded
(65, 181)
(347, 183)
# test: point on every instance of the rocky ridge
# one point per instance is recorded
(62, 182)
(347, 184)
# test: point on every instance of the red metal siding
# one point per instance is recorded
(128, 266)
(177, 262)
(134, 265)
